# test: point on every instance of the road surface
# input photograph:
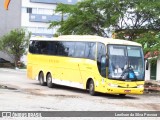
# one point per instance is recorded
(20, 94)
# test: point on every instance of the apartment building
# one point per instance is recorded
(34, 15)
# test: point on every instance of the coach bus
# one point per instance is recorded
(94, 63)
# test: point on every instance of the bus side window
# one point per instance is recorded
(43, 47)
(32, 48)
(51, 48)
(90, 50)
(37, 47)
(69, 48)
(61, 49)
(79, 49)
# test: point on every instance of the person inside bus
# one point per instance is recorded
(128, 72)
(128, 65)
(118, 69)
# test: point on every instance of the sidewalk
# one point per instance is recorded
(13, 70)
(152, 86)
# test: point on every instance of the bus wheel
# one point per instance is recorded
(49, 81)
(41, 79)
(91, 88)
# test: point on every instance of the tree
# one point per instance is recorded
(15, 43)
(137, 17)
(83, 18)
(128, 18)
(151, 43)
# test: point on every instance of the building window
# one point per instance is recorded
(34, 10)
(40, 30)
(31, 29)
(45, 11)
(48, 31)
(29, 10)
(33, 17)
(44, 17)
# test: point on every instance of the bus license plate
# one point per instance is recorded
(127, 91)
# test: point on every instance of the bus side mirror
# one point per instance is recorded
(147, 64)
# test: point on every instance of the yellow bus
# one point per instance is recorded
(94, 63)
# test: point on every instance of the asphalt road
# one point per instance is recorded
(20, 94)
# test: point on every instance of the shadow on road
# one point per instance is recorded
(66, 88)
(102, 95)
(115, 96)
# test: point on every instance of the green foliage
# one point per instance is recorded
(84, 18)
(137, 17)
(15, 43)
(150, 42)
(128, 17)
(151, 45)
(153, 61)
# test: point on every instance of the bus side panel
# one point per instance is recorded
(32, 67)
(88, 69)
(29, 66)
(29, 71)
(53, 66)
(69, 69)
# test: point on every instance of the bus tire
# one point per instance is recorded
(49, 80)
(92, 88)
(41, 79)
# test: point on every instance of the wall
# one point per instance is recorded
(158, 70)
(147, 73)
(10, 19)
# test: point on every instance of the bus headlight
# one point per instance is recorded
(113, 85)
(140, 86)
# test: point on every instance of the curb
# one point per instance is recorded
(152, 86)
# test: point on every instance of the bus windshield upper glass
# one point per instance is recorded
(125, 62)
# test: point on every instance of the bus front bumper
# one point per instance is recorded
(114, 90)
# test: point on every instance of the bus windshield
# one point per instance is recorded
(125, 62)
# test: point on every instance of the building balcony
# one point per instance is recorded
(55, 1)
(45, 18)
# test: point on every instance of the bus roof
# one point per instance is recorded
(90, 38)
